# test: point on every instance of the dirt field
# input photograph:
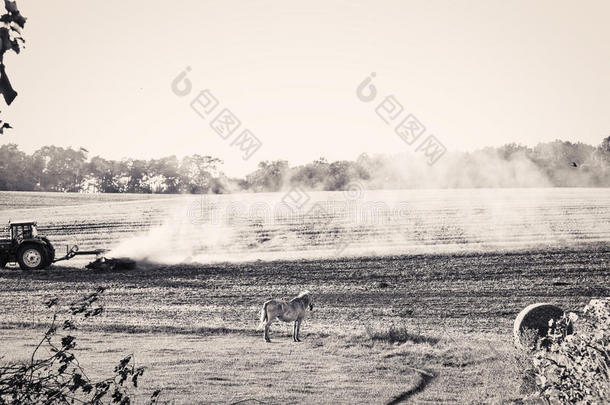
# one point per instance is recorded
(28, 199)
(194, 326)
(376, 317)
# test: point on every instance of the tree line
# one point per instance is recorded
(558, 163)
(53, 168)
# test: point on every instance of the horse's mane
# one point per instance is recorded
(304, 296)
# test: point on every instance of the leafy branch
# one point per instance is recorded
(11, 39)
(58, 378)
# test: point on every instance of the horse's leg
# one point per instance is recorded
(297, 326)
(294, 332)
(267, 331)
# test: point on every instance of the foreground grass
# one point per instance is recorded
(379, 364)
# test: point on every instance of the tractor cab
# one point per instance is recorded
(20, 231)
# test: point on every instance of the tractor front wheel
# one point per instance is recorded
(31, 257)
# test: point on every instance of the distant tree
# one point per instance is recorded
(12, 22)
(343, 172)
(164, 175)
(198, 174)
(311, 175)
(16, 169)
(602, 161)
(137, 175)
(511, 149)
(269, 176)
(605, 145)
(60, 169)
(562, 153)
(106, 175)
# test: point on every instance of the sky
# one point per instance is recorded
(98, 75)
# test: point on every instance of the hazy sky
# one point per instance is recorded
(98, 74)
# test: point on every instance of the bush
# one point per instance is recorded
(57, 377)
(575, 368)
(394, 333)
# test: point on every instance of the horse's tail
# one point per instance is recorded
(264, 316)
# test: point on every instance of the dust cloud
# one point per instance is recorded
(251, 227)
(483, 169)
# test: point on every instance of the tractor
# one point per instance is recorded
(32, 251)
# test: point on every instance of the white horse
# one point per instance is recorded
(293, 310)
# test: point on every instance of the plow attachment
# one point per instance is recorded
(100, 262)
(73, 251)
(121, 263)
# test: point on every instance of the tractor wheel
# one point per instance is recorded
(32, 257)
(50, 254)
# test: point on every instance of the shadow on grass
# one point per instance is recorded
(424, 380)
(137, 329)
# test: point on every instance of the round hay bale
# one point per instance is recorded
(535, 317)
